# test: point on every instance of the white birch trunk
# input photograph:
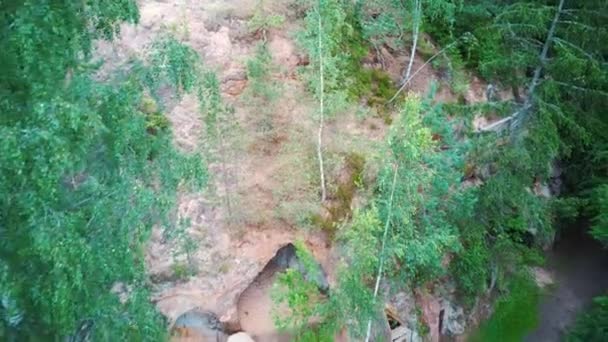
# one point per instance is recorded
(417, 19)
(321, 111)
(384, 237)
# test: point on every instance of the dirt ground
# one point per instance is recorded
(268, 183)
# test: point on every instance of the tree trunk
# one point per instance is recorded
(521, 115)
(384, 237)
(417, 19)
(321, 112)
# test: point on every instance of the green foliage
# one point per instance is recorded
(315, 318)
(343, 48)
(515, 313)
(599, 229)
(262, 90)
(426, 194)
(259, 69)
(388, 21)
(303, 301)
(86, 171)
(427, 206)
(504, 41)
(470, 267)
(181, 271)
(262, 21)
(591, 326)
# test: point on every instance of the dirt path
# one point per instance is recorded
(580, 268)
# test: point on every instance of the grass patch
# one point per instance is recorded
(377, 88)
(516, 313)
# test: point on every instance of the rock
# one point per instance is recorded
(240, 337)
(453, 321)
(542, 277)
(201, 324)
(484, 172)
(555, 180)
(317, 277)
(405, 334)
(283, 52)
(492, 94)
(404, 306)
(401, 308)
(542, 190)
(441, 314)
(431, 309)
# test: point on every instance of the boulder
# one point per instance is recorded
(202, 325)
(240, 337)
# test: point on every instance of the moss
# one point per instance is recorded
(375, 84)
(224, 268)
(515, 315)
(340, 208)
(181, 271)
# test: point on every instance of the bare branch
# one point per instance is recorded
(498, 125)
(407, 81)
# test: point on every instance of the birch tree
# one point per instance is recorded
(87, 167)
(325, 26)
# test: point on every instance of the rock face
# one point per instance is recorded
(402, 307)
(441, 314)
(453, 321)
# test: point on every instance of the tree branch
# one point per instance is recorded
(587, 90)
(575, 47)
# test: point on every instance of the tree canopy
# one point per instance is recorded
(87, 167)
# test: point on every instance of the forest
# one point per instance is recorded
(304, 170)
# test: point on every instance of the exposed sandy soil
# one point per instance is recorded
(270, 179)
